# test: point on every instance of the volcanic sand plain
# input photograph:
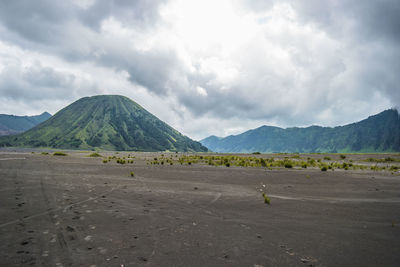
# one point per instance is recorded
(75, 210)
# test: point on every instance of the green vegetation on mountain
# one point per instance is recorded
(10, 124)
(378, 133)
(107, 122)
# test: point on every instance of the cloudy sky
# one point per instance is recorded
(205, 67)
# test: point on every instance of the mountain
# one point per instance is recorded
(378, 133)
(109, 122)
(10, 124)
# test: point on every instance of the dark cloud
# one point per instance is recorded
(37, 82)
(140, 12)
(366, 20)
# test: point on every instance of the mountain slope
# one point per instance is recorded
(378, 133)
(10, 124)
(108, 122)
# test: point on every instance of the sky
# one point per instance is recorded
(205, 67)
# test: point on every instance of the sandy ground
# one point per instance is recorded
(78, 211)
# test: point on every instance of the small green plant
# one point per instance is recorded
(324, 169)
(227, 164)
(95, 155)
(105, 160)
(59, 154)
(327, 158)
(45, 153)
(267, 200)
(256, 153)
(342, 156)
(132, 174)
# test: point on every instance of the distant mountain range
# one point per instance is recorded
(11, 124)
(109, 122)
(378, 133)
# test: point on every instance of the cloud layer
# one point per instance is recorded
(205, 67)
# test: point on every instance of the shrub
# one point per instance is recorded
(342, 156)
(288, 165)
(227, 164)
(59, 154)
(132, 174)
(95, 155)
(327, 158)
(105, 160)
(44, 153)
(304, 165)
(267, 200)
(324, 169)
(263, 163)
(256, 153)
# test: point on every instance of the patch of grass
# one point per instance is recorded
(44, 153)
(105, 160)
(342, 156)
(388, 159)
(95, 155)
(59, 154)
(132, 174)
(327, 158)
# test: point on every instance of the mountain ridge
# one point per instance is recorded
(377, 133)
(13, 124)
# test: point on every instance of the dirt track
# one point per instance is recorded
(78, 211)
